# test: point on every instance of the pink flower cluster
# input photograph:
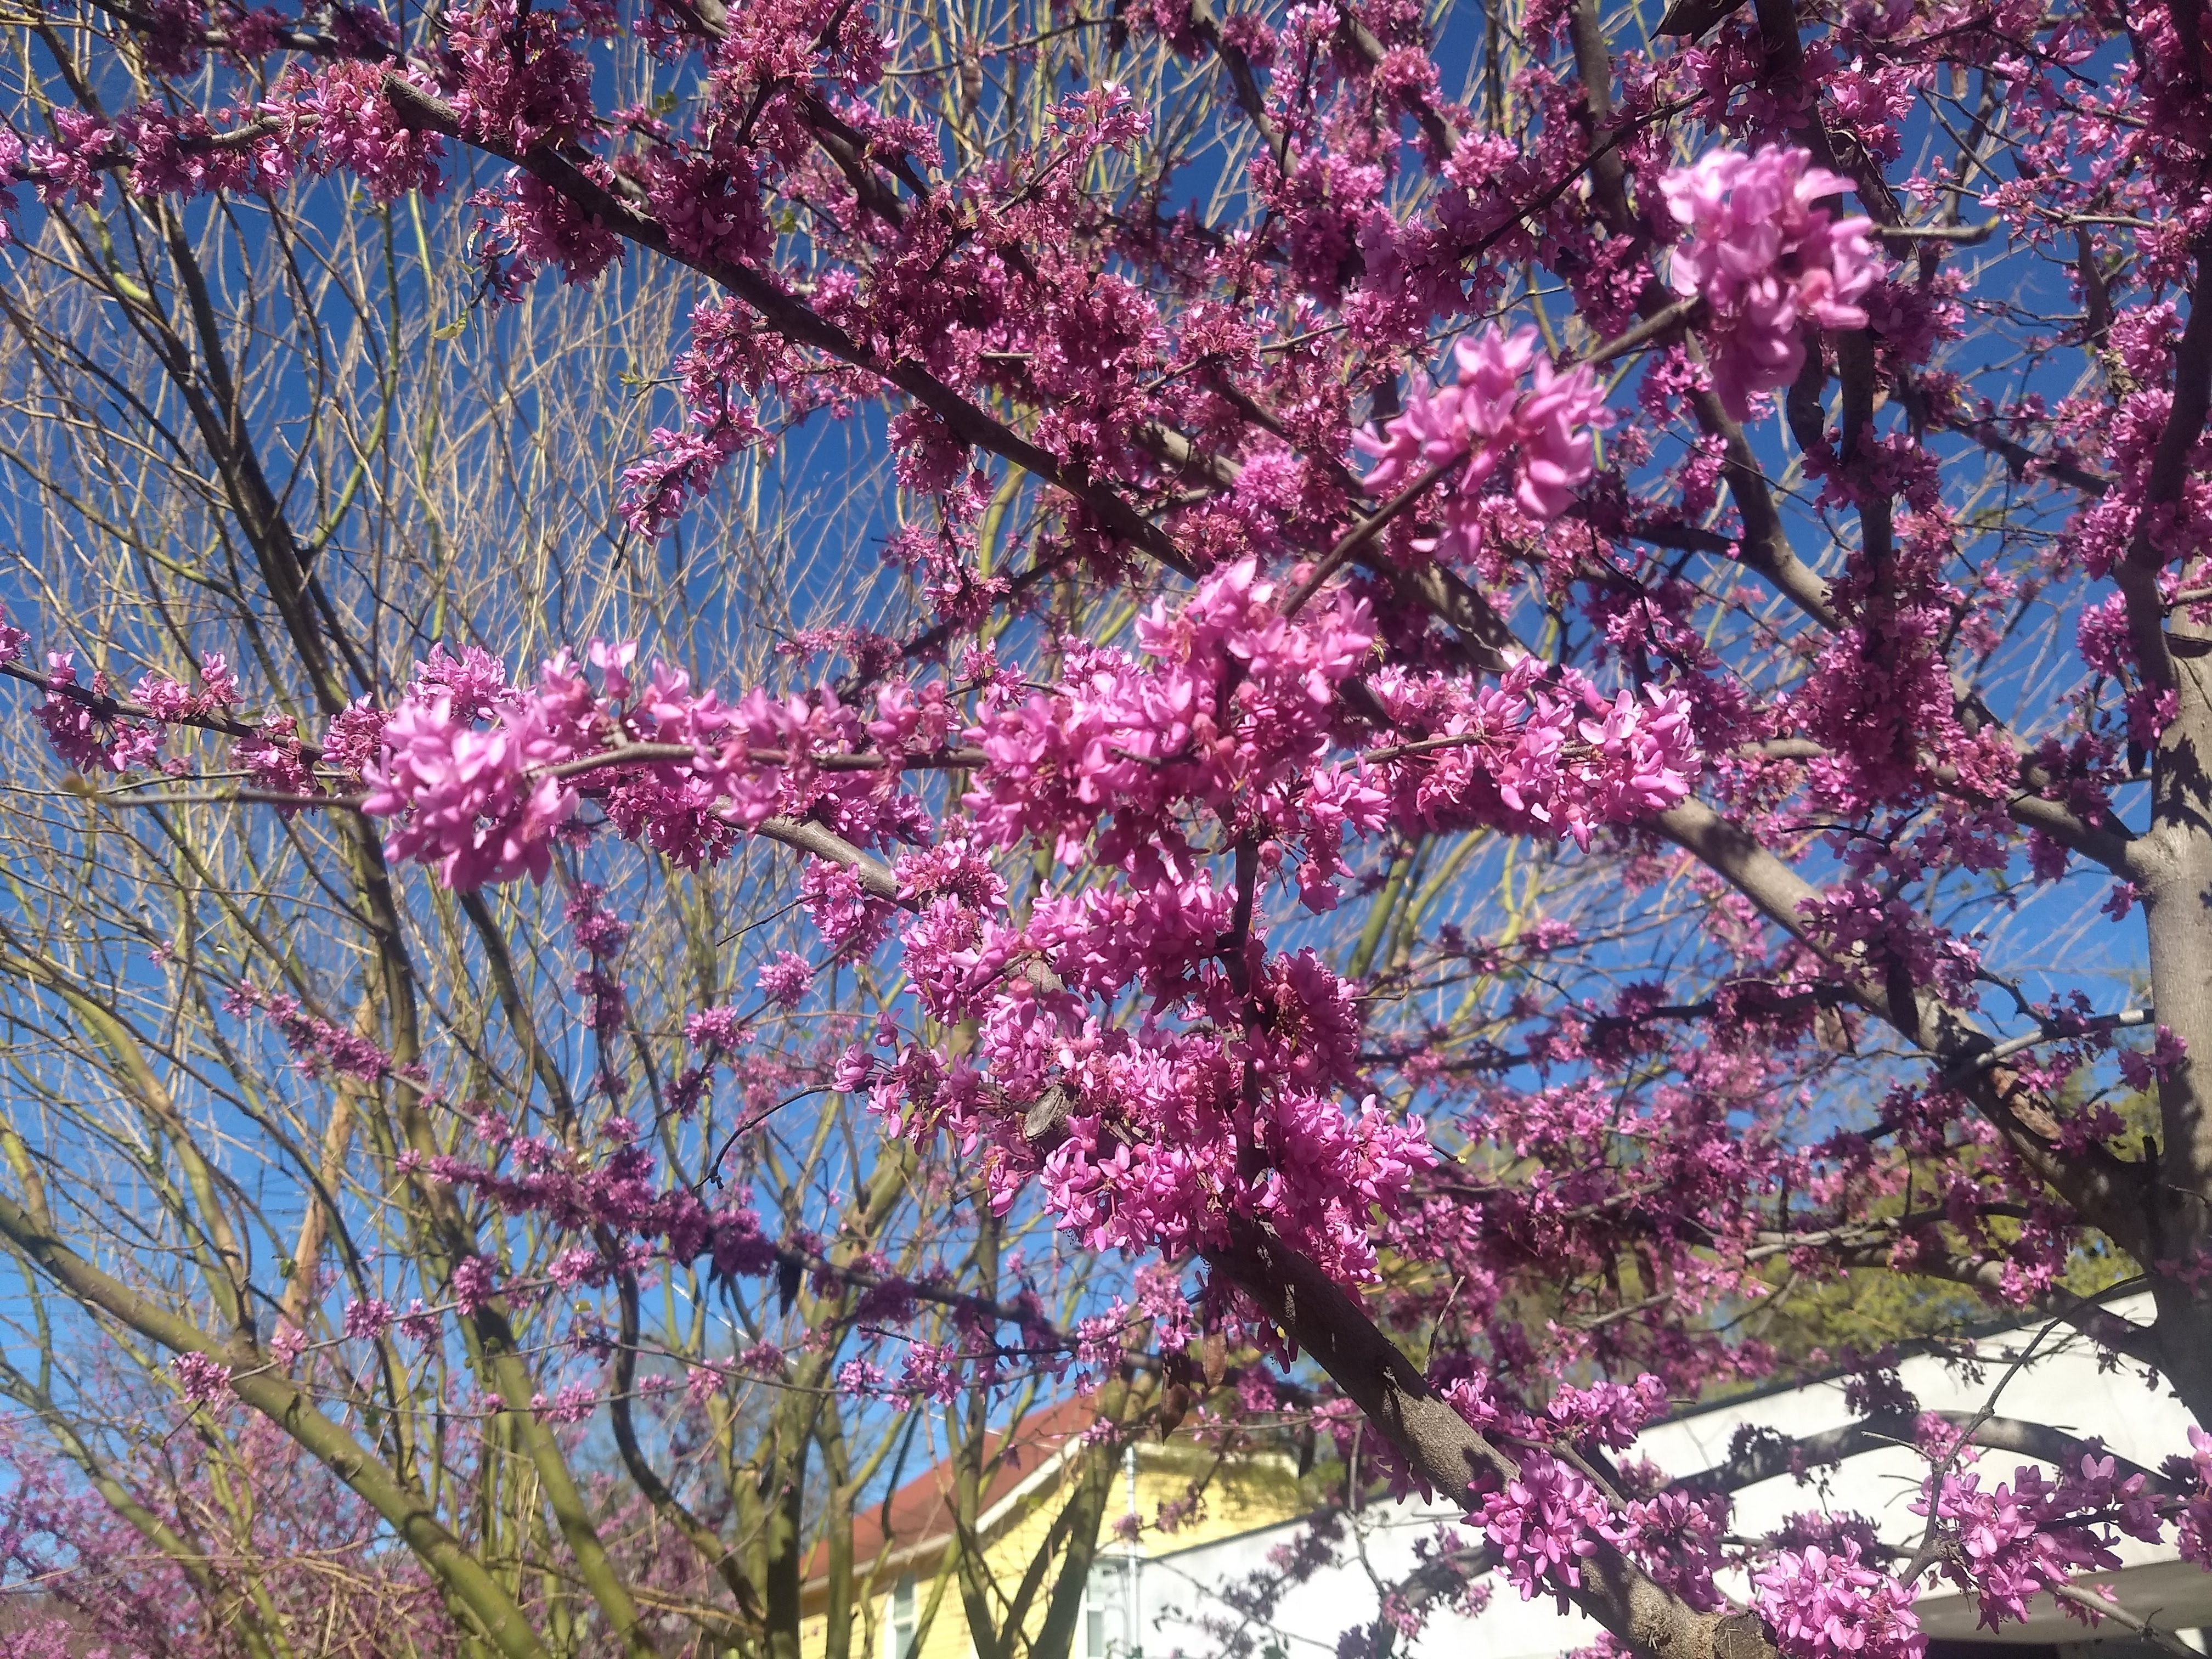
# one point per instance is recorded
(1220, 725)
(357, 130)
(1543, 1523)
(88, 729)
(472, 800)
(86, 740)
(201, 1381)
(1539, 433)
(1765, 259)
(1541, 751)
(1231, 715)
(169, 701)
(2025, 1536)
(1151, 1158)
(76, 733)
(2193, 1531)
(785, 981)
(1855, 919)
(480, 775)
(321, 1046)
(1827, 1604)
(602, 935)
(368, 1319)
(273, 759)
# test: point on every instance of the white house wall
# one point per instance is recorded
(2061, 1385)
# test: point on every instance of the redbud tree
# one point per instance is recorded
(1735, 477)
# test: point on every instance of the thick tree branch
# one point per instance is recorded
(1446, 1452)
(798, 322)
(1767, 1457)
(2105, 1190)
(2138, 574)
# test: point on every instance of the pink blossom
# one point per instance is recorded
(272, 760)
(1765, 257)
(164, 698)
(202, 1379)
(474, 1282)
(1540, 433)
(1543, 1523)
(784, 980)
(929, 1373)
(469, 804)
(1824, 1604)
(368, 1318)
(723, 1027)
(85, 739)
(288, 1343)
(572, 1402)
(356, 129)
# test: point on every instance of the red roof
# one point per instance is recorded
(921, 1512)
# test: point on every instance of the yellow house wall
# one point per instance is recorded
(1241, 1496)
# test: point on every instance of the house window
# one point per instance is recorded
(901, 1643)
(1106, 1632)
